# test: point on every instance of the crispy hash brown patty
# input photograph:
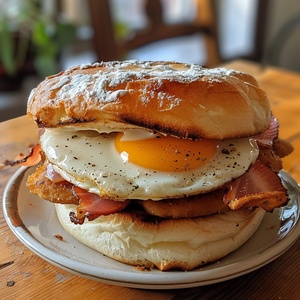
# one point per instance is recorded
(188, 207)
(60, 192)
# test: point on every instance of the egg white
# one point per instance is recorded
(90, 160)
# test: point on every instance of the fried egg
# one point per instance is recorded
(137, 164)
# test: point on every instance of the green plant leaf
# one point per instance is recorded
(39, 34)
(65, 34)
(45, 65)
(22, 50)
(6, 48)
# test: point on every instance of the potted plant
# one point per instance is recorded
(31, 39)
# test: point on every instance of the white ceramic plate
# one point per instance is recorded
(35, 223)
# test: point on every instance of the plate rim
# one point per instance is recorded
(109, 276)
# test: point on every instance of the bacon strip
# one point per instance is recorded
(271, 134)
(52, 175)
(92, 206)
(260, 186)
(29, 160)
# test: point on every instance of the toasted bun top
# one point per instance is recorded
(184, 100)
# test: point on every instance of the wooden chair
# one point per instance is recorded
(260, 30)
(109, 47)
(277, 45)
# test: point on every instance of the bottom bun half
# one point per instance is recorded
(185, 244)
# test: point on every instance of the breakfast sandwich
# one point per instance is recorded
(157, 163)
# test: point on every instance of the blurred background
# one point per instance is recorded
(41, 37)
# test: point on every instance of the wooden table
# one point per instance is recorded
(23, 275)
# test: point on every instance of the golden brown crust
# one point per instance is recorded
(60, 192)
(268, 157)
(282, 148)
(180, 99)
(189, 207)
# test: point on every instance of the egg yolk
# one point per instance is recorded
(167, 153)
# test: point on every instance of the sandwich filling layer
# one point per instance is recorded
(102, 164)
